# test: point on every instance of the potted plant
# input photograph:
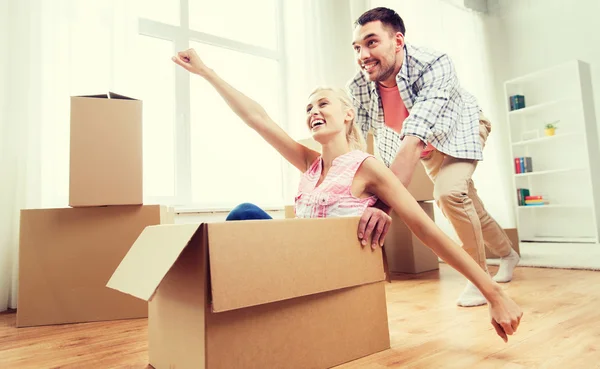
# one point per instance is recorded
(550, 128)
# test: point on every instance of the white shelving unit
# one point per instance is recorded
(566, 166)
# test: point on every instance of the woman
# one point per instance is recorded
(344, 180)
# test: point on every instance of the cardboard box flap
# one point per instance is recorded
(113, 95)
(256, 261)
(99, 96)
(150, 259)
(109, 95)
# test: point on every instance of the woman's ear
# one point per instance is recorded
(350, 115)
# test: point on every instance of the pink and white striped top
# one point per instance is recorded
(332, 198)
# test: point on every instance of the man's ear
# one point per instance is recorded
(399, 38)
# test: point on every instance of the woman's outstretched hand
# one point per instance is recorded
(190, 60)
(506, 316)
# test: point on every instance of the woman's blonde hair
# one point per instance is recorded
(353, 134)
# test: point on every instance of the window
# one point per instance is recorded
(197, 152)
(158, 116)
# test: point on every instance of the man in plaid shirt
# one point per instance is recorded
(410, 98)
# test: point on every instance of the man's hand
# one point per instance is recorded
(373, 219)
(189, 60)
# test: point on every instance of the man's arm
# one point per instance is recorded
(437, 83)
(407, 158)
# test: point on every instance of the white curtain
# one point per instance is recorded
(19, 129)
(50, 50)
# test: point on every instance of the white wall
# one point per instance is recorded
(3, 63)
(535, 34)
(529, 35)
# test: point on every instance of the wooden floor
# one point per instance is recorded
(560, 329)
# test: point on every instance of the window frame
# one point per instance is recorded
(181, 35)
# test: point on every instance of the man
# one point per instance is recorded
(411, 98)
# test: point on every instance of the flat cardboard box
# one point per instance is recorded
(420, 187)
(289, 293)
(67, 255)
(106, 166)
(513, 235)
(405, 252)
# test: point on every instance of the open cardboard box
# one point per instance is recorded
(292, 293)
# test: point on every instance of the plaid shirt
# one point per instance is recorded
(440, 111)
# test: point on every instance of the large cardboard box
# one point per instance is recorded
(67, 255)
(106, 166)
(420, 187)
(290, 293)
(405, 252)
(513, 235)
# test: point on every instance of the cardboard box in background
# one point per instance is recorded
(420, 187)
(405, 252)
(67, 255)
(513, 235)
(290, 211)
(292, 293)
(106, 166)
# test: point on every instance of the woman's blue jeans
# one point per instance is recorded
(247, 211)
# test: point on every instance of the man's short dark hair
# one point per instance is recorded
(386, 16)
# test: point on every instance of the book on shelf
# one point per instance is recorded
(522, 193)
(537, 197)
(523, 165)
(526, 199)
(517, 102)
(535, 202)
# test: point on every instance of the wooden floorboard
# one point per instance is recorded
(560, 329)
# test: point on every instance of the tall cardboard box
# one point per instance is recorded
(67, 255)
(405, 252)
(291, 293)
(106, 166)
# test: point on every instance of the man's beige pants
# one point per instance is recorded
(455, 194)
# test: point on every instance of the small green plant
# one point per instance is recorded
(551, 125)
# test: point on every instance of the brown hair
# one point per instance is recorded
(387, 17)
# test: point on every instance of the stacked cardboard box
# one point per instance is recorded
(405, 252)
(67, 255)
